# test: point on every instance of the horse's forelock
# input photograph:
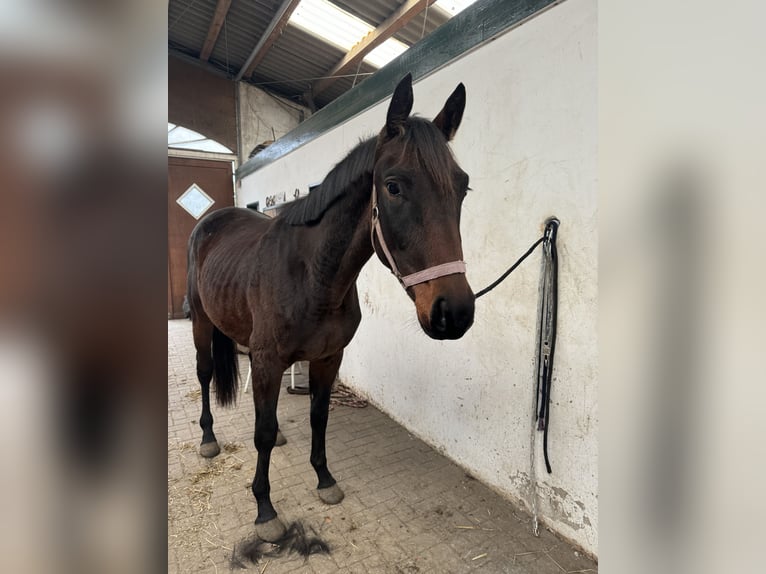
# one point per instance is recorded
(432, 151)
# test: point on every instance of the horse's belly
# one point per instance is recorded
(237, 329)
(323, 340)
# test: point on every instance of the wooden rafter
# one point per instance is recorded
(270, 36)
(388, 28)
(221, 9)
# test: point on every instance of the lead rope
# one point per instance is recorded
(512, 267)
(546, 342)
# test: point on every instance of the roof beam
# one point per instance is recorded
(390, 26)
(270, 36)
(221, 9)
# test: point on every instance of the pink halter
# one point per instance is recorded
(418, 277)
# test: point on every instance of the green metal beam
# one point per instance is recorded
(473, 26)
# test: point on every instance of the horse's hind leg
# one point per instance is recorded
(266, 380)
(321, 376)
(203, 337)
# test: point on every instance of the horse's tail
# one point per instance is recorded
(225, 371)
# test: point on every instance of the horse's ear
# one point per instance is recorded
(400, 107)
(449, 118)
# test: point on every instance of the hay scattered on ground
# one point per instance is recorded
(214, 468)
(191, 516)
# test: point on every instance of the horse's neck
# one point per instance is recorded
(344, 245)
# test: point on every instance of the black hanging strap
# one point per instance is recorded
(546, 343)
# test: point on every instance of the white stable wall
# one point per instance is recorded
(528, 141)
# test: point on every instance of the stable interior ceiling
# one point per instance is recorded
(309, 51)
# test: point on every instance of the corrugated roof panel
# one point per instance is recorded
(188, 34)
(246, 22)
(297, 57)
(289, 71)
(189, 27)
(188, 22)
(189, 10)
(294, 60)
(233, 45)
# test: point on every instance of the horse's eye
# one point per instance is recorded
(393, 188)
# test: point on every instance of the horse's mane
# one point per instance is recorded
(420, 137)
(308, 210)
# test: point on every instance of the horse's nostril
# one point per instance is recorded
(464, 318)
(443, 309)
(439, 315)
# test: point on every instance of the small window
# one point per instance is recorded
(195, 201)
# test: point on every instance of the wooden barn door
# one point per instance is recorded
(202, 181)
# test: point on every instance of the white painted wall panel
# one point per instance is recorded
(528, 141)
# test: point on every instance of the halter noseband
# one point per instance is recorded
(414, 278)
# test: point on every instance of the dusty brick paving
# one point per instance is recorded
(407, 509)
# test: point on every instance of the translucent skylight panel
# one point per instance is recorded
(453, 7)
(387, 51)
(338, 27)
(330, 23)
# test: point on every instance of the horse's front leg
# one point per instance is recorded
(321, 376)
(266, 382)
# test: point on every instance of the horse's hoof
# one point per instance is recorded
(331, 495)
(280, 439)
(209, 449)
(270, 531)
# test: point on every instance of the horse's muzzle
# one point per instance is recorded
(450, 318)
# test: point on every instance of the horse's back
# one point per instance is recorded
(223, 225)
(226, 219)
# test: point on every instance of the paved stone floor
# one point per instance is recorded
(407, 509)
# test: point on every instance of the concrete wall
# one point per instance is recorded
(528, 141)
(260, 113)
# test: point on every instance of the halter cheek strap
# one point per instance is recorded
(414, 278)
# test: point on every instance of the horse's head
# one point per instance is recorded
(417, 196)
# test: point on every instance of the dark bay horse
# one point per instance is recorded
(286, 287)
